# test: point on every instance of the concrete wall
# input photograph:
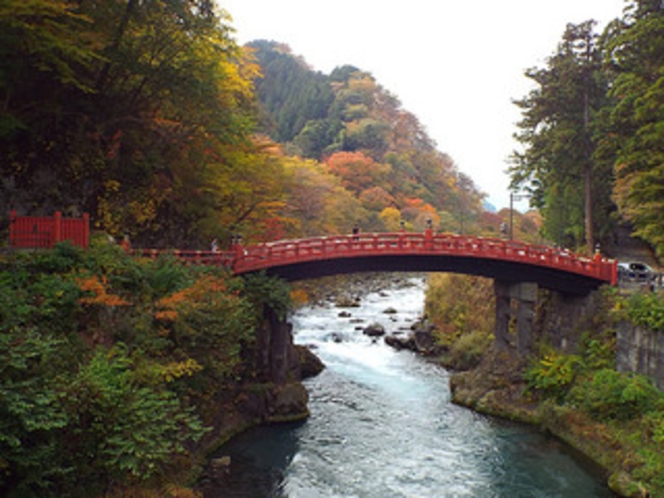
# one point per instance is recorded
(640, 350)
(561, 319)
(526, 316)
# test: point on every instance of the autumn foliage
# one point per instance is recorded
(108, 356)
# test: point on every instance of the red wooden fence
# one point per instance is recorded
(42, 232)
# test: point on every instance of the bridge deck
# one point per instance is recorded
(403, 251)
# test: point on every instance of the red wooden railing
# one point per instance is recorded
(217, 258)
(244, 259)
(35, 232)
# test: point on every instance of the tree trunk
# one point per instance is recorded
(590, 238)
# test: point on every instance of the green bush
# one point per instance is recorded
(553, 374)
(598, 354)
(468, 350)
(100, 356)
(645, 309)
(261, 290)
(30, 413)
(611, 395)
(132, 429)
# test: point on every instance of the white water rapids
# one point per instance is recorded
(382, 426)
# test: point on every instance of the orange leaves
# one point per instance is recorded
(299, 296)
(357, 171)
(376, 198)
(203, 292)
(96, 294)
(166, 315)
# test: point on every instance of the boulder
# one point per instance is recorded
(390, 311)
(220, 467)
(335, 337)
(400, 342)
(424, 341)
(374, 330)
(344, 314)
(347, 302)
(310, 364)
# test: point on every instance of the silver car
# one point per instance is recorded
(635, 271)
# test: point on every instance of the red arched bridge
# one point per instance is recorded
(504, 260)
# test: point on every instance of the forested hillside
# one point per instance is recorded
(358, 132)
(151, 118)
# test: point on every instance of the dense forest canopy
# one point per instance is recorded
(592, 131)
(150, 117)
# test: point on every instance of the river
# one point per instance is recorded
(382, 426)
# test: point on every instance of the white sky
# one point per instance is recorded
(455, 64)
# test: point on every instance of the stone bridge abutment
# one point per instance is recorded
(526, 313)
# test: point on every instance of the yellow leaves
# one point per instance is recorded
(391, 218)
(548, 360)
(175, 370)
(95, 288)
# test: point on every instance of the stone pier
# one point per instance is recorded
(515, 313)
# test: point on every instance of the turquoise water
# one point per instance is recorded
(382, 426)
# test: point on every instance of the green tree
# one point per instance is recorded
(292, 93)
(558, 135)
(122, 109)
(636, 60)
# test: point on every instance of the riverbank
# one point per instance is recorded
(613, 419)
(497, 388)
(147, 365)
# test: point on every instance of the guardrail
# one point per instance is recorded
(244, 259)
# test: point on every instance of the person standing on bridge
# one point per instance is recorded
(214, 246)
(356, 232)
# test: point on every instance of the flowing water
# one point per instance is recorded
(382, 426)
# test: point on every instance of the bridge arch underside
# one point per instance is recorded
(505, 271)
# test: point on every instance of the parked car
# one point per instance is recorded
(635, 271)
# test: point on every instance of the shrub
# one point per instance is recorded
(101, 355)
(30, 415)
(644, 309)
(611, 395)
(261, 290)
(458, 305)
(207, 322)
(553, 374)
(467, 351)
(132, 429)
(598, 354)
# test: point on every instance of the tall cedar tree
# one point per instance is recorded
(636, 59)
(557, 132)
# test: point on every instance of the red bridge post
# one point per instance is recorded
(428, 239)
(57, 227)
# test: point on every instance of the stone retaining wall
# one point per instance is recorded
(640, 350)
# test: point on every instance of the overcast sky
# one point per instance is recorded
(455, 64)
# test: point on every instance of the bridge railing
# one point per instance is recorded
(301, 250)
(210, 258)
(243, 259)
